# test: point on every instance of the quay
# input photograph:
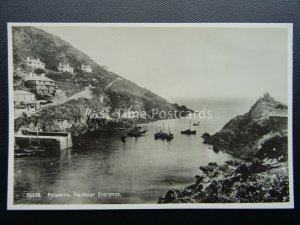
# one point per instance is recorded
(55, 141)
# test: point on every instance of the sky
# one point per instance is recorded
(181, 62)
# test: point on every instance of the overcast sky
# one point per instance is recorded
(190, 62)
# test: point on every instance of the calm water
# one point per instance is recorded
(141, 170)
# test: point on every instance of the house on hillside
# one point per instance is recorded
(25, 101)
(41, 84)
(89, 87)
(35, 63)
(23, 97)
(65, 68)
(86, 68)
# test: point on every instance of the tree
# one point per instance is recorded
(275, 148)
(39, 71)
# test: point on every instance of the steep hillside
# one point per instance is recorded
(245, 135)
(118, 92)
(36, 43)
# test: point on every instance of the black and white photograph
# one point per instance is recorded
(150, 116)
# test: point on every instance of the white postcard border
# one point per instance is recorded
(10, 181)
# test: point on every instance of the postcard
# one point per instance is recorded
(150, 116)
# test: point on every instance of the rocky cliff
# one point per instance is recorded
(259, 139)
(245, 135)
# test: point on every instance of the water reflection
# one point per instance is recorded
(141, 170)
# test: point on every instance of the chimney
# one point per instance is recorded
(28, 58)
(42, 75)
(30, 75)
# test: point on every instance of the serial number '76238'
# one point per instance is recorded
(33, 195)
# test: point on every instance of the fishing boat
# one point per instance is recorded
(143, 132)
(169, 136)
(162, 135)
(29, 151)
(137, 132)
(196, 124)
(189, 131)
(123, 138)
(158, 134)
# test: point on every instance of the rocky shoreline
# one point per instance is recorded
(259, 141)
(235, 182)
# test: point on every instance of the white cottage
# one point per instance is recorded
(86, 68)
(35, 63)
(23, 97)
(65, 68)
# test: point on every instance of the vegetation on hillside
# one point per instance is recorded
(118, 92)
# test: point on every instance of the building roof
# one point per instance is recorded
(22, 92)
(64, 65)
(39, 78)
(28, 59)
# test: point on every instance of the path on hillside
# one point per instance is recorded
(82, 94)
(111, 83)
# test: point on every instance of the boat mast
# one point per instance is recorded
(37, 132)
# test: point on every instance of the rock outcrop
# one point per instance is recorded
(244, 135)
(259, 139)
(235, 182)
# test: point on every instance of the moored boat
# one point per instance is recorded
(124, 138)
(162, 135)
(189, 131)
(169, 136)
(137, 132)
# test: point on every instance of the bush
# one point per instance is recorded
(274, 148)
(39, 71)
